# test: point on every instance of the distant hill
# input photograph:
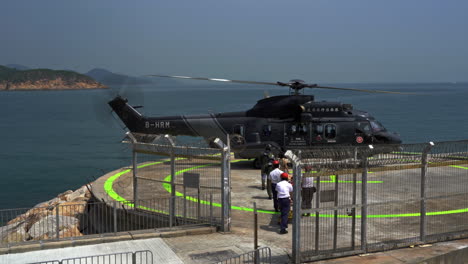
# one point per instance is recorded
(18, 67)
(109, 78)
(40, 79)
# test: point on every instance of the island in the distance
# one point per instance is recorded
(45, 79)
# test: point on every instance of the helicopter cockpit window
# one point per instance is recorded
(376, 126)
(267, 130)
(364, 127)
(330, 131)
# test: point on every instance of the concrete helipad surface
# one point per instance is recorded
(210, 247)
(246, 188)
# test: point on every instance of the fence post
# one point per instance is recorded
(423, 219)
(353, 210)
(256, 255)
(134, 258)
(297, 176)
(172, 200)
(57, 220)
(365, 164)
(225, 184)
(134, 168)
(114, 209)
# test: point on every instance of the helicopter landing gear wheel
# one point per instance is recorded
(256, 164)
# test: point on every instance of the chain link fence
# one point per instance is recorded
(374, 198)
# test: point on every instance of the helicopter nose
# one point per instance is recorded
(394, 138)
(387, 138)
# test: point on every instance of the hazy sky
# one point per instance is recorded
(315, 40)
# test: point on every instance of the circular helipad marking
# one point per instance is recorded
(108, 187)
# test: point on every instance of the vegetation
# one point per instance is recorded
(13, 76)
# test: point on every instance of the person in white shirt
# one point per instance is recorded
(284, 189)
(308, 189)
(274, 177)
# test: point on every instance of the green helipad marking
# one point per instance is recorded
(110, 191)
(459, 167)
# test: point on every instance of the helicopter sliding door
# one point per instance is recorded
(297, 134)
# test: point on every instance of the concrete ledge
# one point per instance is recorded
(146, 235)
(4, 251)
(25, 248)
(57, 244)
(174, 233)
(88, 241)
(201, 231)
(110, 239)
(122, 236)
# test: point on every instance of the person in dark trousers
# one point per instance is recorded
(266, 166)
(274, 178)
(284, 189)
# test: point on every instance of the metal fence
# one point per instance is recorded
(258, 256)
(20, 226)
(170, 186)
(138, 257)
(376, 198)
(194, 177)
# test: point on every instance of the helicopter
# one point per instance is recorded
(279, 123)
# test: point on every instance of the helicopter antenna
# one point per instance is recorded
(295, 86)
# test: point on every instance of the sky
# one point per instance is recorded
(325, 41)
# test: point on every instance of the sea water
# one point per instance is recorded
(53, 141)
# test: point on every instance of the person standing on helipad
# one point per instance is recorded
(274, 178)
(266, 166)
(284, 189)
(308, 190)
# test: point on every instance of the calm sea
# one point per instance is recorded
(53, 141)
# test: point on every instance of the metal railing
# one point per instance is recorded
(138, 257)
(374, 198)
(99, 218)
(192, 186)
(201, 171)
(258, 256)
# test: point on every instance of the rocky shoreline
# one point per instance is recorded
(64, 214)
(57, 84)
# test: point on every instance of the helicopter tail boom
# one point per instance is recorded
(206, 126)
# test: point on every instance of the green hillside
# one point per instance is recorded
(14, 76)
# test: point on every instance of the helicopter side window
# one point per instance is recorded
(239, 129)
(267, 130)
(293, 129)
(330, 131)
(318, 129)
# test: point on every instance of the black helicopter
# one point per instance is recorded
(293, 121)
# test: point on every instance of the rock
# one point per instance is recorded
(81, 192)
(70, 231)
(13, 233)
(48, 226)
(31, 216)
(65, 196)
(73, 208)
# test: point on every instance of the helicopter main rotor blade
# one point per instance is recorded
(212, 79)
(357, 90)
(295, 84)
